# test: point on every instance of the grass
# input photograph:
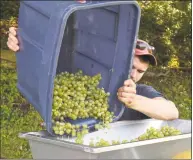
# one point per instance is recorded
(8, 55)
(17, 115)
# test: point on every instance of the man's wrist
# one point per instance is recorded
(133, 104)
(136, 103)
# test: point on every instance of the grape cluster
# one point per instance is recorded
(78, 96)
(153, 133)
(102, 126)
(104, 143)
(170, 131)
(74, 130)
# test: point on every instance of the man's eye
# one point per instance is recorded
(141, 71)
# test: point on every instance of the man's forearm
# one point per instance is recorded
(155, 108)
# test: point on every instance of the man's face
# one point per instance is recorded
(138, 69)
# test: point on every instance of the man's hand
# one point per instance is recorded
(127, 93)
(12, 42)
(157, 108)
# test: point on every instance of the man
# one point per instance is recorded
(141, 101)
(144, 101)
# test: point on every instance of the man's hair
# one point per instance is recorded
(144, 58)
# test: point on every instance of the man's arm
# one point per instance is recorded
(158, 108)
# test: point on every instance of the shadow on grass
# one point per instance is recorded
(8, 55)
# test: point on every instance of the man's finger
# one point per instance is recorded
(13, 38)
(128, 89)
(122, 99)
(10, 46)
(129, 82)
(12, 30)
(125, 100)
(13, 48)
(12, 43)
(125, 95)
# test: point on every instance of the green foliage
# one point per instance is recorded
(8, 55)
(16, 116)
(175, 85)
(174, 62)
(9, 9)
(167, 26)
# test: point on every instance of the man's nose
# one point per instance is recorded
(133, 74)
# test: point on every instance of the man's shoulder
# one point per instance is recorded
(147, 91)
(143, 87)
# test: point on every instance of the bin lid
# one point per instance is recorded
(56, 36)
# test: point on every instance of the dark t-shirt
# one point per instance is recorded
(143, 90)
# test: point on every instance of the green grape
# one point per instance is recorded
(176, 132)
(61, 118)
(143, 137)
(57, 132)
(114, 142)
(64, 113)
(79, 134)
(77, 126)
(84, 126)
(124, 141)
(73, 133)
(68, 125)
(97, 126)
(68, 131)
(74, 117)
(166, 133)
(134, 140)
(57, 123)
(160, 135)
(84, 131)
(55, 128)
(61, 133)
(79, 140)
(151, 137)
(102, 143)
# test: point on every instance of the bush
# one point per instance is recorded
(9, 9)
(175, 85)
(17, 115)
(167, 26)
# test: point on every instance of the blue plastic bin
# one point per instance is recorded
(58, 36)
